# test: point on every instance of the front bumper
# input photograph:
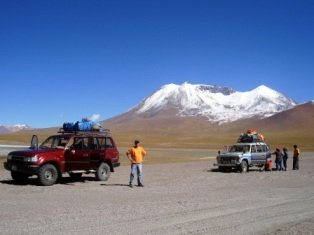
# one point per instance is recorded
(227, 162)
(22, 168)
(226, 165)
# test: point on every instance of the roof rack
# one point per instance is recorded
(102, 132)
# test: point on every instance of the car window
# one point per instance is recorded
(92, 143)
(253, 149)
(259, 148)
(54, 142)
(239, 148)
(80, 143)
(109, 143)
(105, 142)
(48, 143)
(246, 148)
(266, 148)
(101, 142)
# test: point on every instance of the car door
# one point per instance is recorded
(111, 151)
(96, 153)
(78, 155)
(107, 149)
(254, 154)
(259, 155)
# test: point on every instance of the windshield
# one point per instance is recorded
(55, 142)
(239, 148)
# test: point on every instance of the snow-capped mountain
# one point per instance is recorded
(218, 104)
(14, 128)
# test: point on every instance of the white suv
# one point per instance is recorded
(243, 155)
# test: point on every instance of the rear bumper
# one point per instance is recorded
(117, 164)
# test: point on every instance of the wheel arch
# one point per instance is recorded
(247, 165)
(109, 163)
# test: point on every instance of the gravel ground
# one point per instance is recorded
(178, 198)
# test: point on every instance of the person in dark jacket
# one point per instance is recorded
(278, 159)
(285, 158)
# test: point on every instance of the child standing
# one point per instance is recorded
(285, 158)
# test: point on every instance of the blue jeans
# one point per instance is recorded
(279, 165)
(138, 168)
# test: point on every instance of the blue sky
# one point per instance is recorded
(64, 60)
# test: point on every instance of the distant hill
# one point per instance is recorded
(14, 128)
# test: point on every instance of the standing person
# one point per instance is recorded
(296, 153)
(285, 158)
(278, 159)
(136, 155)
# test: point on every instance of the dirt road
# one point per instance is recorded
(178, 198)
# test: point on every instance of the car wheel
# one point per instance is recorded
(19, 177)
(243, 167)
(103, 172)
(47, 175)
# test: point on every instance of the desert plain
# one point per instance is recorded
(182, 195)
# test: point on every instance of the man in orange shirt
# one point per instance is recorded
(136, 155)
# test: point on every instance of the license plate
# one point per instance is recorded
(14, 168)
(226, 162)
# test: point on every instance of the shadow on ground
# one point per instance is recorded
(63, 180)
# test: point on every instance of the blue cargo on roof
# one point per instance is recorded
(82, 126)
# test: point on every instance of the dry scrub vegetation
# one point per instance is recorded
(213, 141)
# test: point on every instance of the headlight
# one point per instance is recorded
(31, 159)
(9, 158)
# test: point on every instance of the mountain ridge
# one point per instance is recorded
(218, 104)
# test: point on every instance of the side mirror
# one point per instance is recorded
(34, 142)
(219, 152)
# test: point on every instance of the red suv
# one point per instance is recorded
(73, 153)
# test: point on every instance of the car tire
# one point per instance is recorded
(47, 175)
(103, 172)
(19, 177)
(244, 167)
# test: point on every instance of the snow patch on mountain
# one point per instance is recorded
(14, 128)
(218, 104)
